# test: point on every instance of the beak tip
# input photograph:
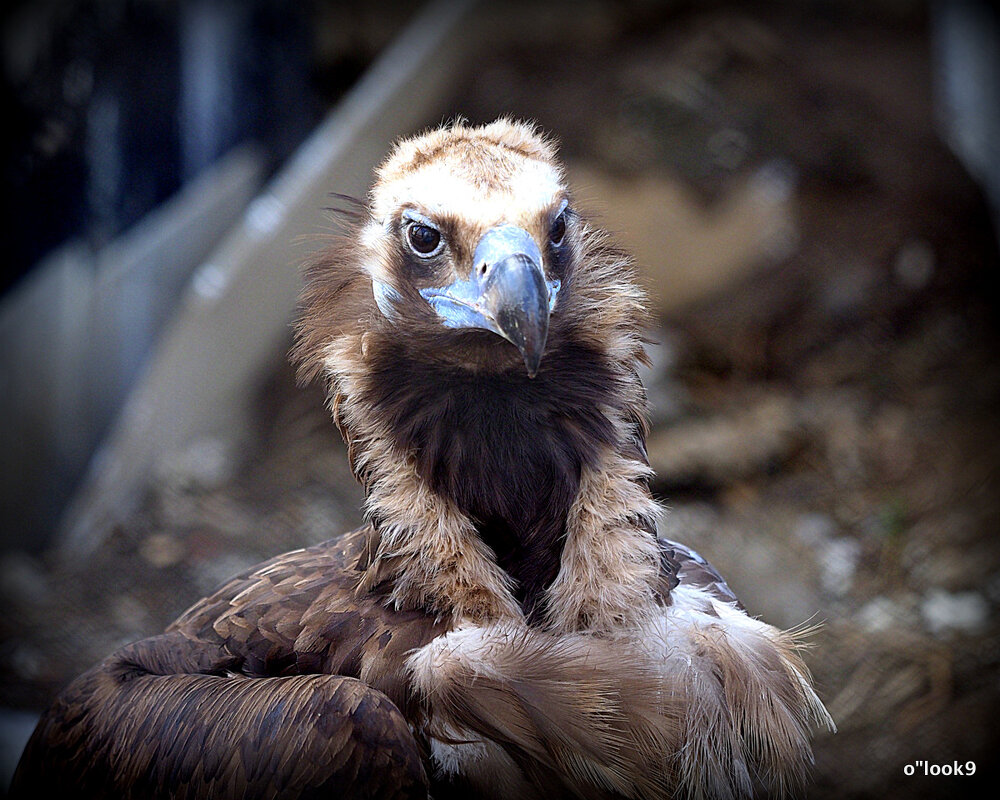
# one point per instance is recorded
(532, 359)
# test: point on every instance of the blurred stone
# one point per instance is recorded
(162, 550)
(914, 264)
(882, 614)
(838, 560)
(945, 612)
(321, 518)
(22, 577)
(992, 588)
(688, 523)
(836, 421)
(686, 251)
(719, 450)
(130, 614)
(847, 289)
(665, 394)
(204, 464)
(26, 660)
(946, 551)
(211, 573)
(728, 148)
(814, 529)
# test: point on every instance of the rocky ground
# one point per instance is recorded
(824, 388)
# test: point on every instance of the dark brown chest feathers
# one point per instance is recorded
(506, 449)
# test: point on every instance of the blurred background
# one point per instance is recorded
(811, 192)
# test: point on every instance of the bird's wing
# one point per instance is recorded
(680, 565)
(300, 613)
(167, 717)
(279, 683)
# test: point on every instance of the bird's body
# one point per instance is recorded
(506, 623)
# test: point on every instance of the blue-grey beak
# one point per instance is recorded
(506, 293)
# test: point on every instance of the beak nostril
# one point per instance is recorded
(482, 269)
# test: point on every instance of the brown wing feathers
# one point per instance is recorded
(123, 732)
(299, 613)
(191, 713)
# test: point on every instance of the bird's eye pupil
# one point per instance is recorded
(558, 229)
(423, 238)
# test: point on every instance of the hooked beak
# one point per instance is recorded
(506, 293)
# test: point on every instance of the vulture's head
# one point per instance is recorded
(477, 224)
(477, 335)
(470, 249)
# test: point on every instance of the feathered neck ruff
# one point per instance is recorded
(491, 495)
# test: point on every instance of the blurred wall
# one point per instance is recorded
(966, 44)
(116, 190)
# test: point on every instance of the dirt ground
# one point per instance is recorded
(824, 388)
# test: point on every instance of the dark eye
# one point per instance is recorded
(558, 229)
(423, 239)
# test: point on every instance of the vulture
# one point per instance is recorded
(506, 623)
